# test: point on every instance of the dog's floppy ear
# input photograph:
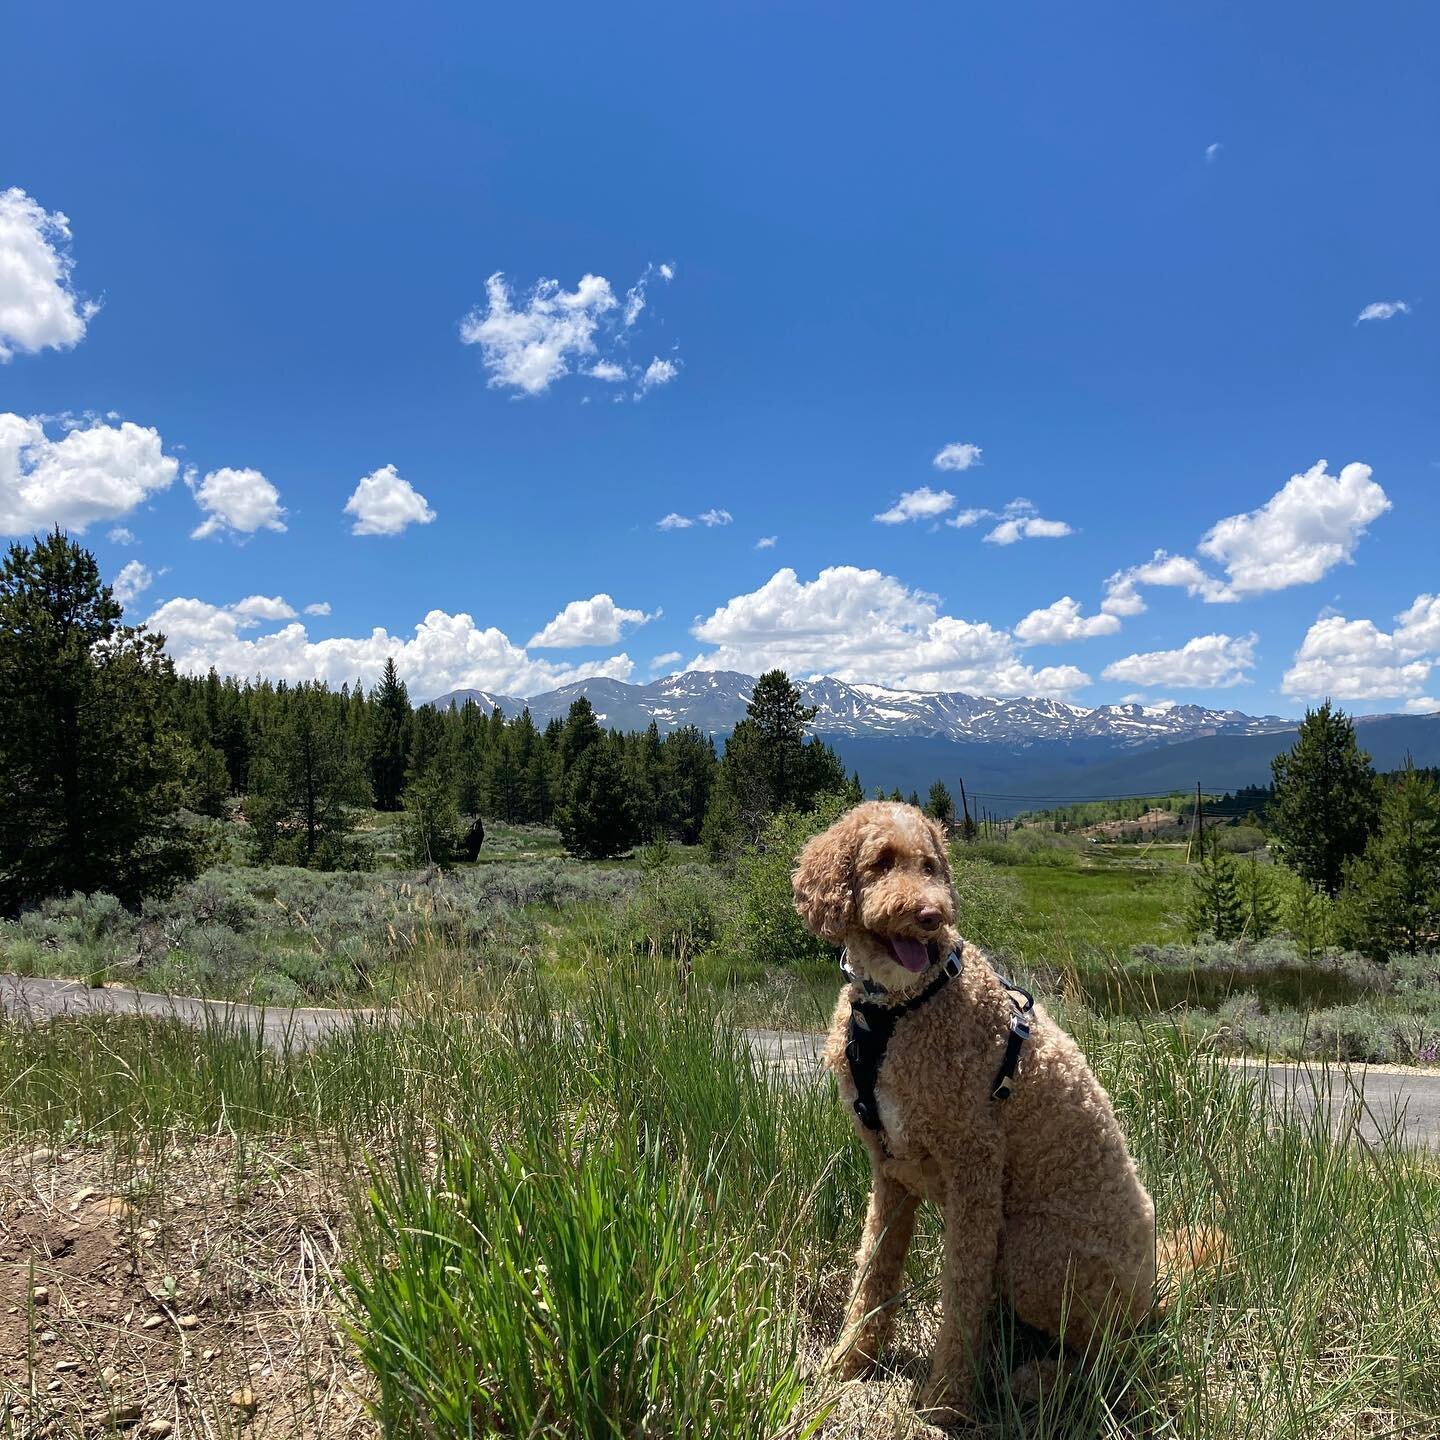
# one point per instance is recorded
(824, 881)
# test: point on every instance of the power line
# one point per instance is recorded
(1177, 792)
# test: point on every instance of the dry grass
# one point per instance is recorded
(186, 1293)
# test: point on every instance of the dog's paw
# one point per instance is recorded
(1031, 1382)
(849, 1361)
(939, 1401)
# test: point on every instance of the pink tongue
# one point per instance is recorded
(912, 954)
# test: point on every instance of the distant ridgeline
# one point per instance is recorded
(1017, 754)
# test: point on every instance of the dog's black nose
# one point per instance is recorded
(928, 916)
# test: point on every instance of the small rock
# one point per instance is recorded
(55, 1385)
(151, 1322)
(41, 1294)
(209, 1354)
(120, 1412)
(158, 1428)
(48, 1337)
(113, 1205)
(244, 1399)
(109, 1374)
(42, 1156)
(188, 1322)
(63, 1365)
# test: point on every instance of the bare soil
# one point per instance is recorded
(189, 1294)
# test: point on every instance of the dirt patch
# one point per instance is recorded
(188, 1294)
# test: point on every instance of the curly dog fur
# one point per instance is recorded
(1042, 1202)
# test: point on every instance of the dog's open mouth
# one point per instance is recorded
(913, 954)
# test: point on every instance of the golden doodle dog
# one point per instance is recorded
(1008, 1132)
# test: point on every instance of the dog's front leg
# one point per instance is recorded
(972, 1243)
(889, 1224)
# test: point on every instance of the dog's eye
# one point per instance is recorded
(885, 859)
(931, 868)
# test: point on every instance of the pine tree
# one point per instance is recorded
(430, 828)
(389, 739)
(1309, 920)
(687, 779)
(305, 785)
(596, 818)
(1259, 903)
(581, 731)
(1325, 799)
(94, 770)
(1215, 906)
(940, 804)
(1391, 901)
(769, 765)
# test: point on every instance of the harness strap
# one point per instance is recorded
(868, 1032)
(867, 1037)
(1015, 1040)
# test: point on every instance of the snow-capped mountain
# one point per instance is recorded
(713, 700)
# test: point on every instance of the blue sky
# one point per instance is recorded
(1114, 258)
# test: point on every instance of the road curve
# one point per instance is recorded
(1403, 1103)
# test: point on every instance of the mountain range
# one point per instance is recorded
(713, 700)
(1012, 753)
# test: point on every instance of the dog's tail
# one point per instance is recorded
(1191, 1252)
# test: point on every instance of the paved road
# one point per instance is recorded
(1406, 1102)
(23, 997)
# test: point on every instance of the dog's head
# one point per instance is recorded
(878, 882)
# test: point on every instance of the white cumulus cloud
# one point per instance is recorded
(119, 535)
(1027, 527)
(93, 473)
(132, 582)
(659, 372)
(255, 608)
(318, 607)
(1018, 521)
(1356, 660)
(531, 346)
(1212, 152)
(240, 501)
(596, 621)
(1309, 526)
(957, 456)
(1062, 622)
(709, 518)
(529, 342)
(1383, 310)
(665, 661)
(446, 652)
(921, 504)
(1208, 662)
(766, 542)
(39, 309)
(1301, 533)
(862, 625)
(384, 503)
(1122, 593)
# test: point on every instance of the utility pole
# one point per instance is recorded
(967, 827)
(1197, 831)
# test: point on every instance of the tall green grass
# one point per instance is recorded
(595, 1213)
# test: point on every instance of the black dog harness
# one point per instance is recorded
(867, 1037)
